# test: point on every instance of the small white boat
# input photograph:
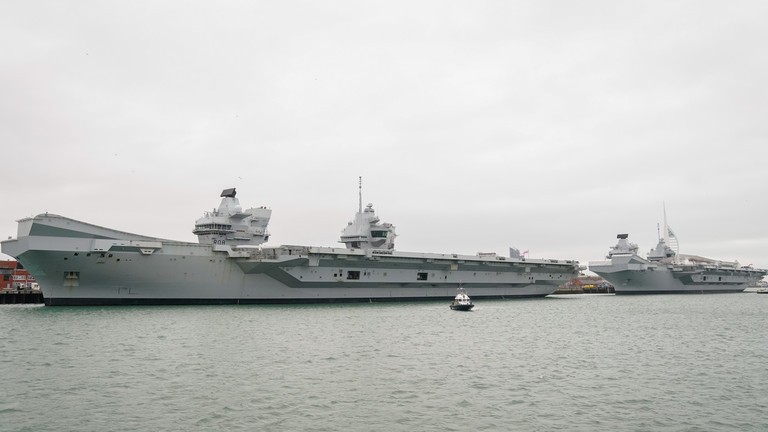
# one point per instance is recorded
(762, 287)
(461, 302)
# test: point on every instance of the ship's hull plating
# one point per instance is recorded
(665, 282)
(114, 268)
(637, 276)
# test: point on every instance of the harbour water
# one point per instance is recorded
(566, 362)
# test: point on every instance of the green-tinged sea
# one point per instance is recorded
(561, 363)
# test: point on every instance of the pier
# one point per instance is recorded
(21, 297)
(586, 285)
(17, 285)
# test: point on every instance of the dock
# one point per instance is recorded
(17, 286)
(586, 285)
(21, 297)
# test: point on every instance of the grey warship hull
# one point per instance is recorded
(77, 263)
(634, 275)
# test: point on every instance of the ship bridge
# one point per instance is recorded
(366, 231)
(230, 224)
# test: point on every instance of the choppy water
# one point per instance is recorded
(576, 363)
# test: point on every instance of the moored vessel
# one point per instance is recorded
(761, 287)
(666, 271)
(77, 263)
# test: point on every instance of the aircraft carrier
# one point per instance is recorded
(666, 271)
(77, 263)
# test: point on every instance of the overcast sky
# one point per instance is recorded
(550, 126)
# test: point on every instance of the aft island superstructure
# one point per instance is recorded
(77, 263)
(665, 271)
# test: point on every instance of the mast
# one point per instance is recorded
(360, 194)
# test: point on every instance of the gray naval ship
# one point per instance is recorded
(666, 271)
(77, 263)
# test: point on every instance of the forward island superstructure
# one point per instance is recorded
(666, 271)
(77, 263)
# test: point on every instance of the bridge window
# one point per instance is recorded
(379, 234)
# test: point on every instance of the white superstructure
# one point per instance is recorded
(365, 231)
(230, 224)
